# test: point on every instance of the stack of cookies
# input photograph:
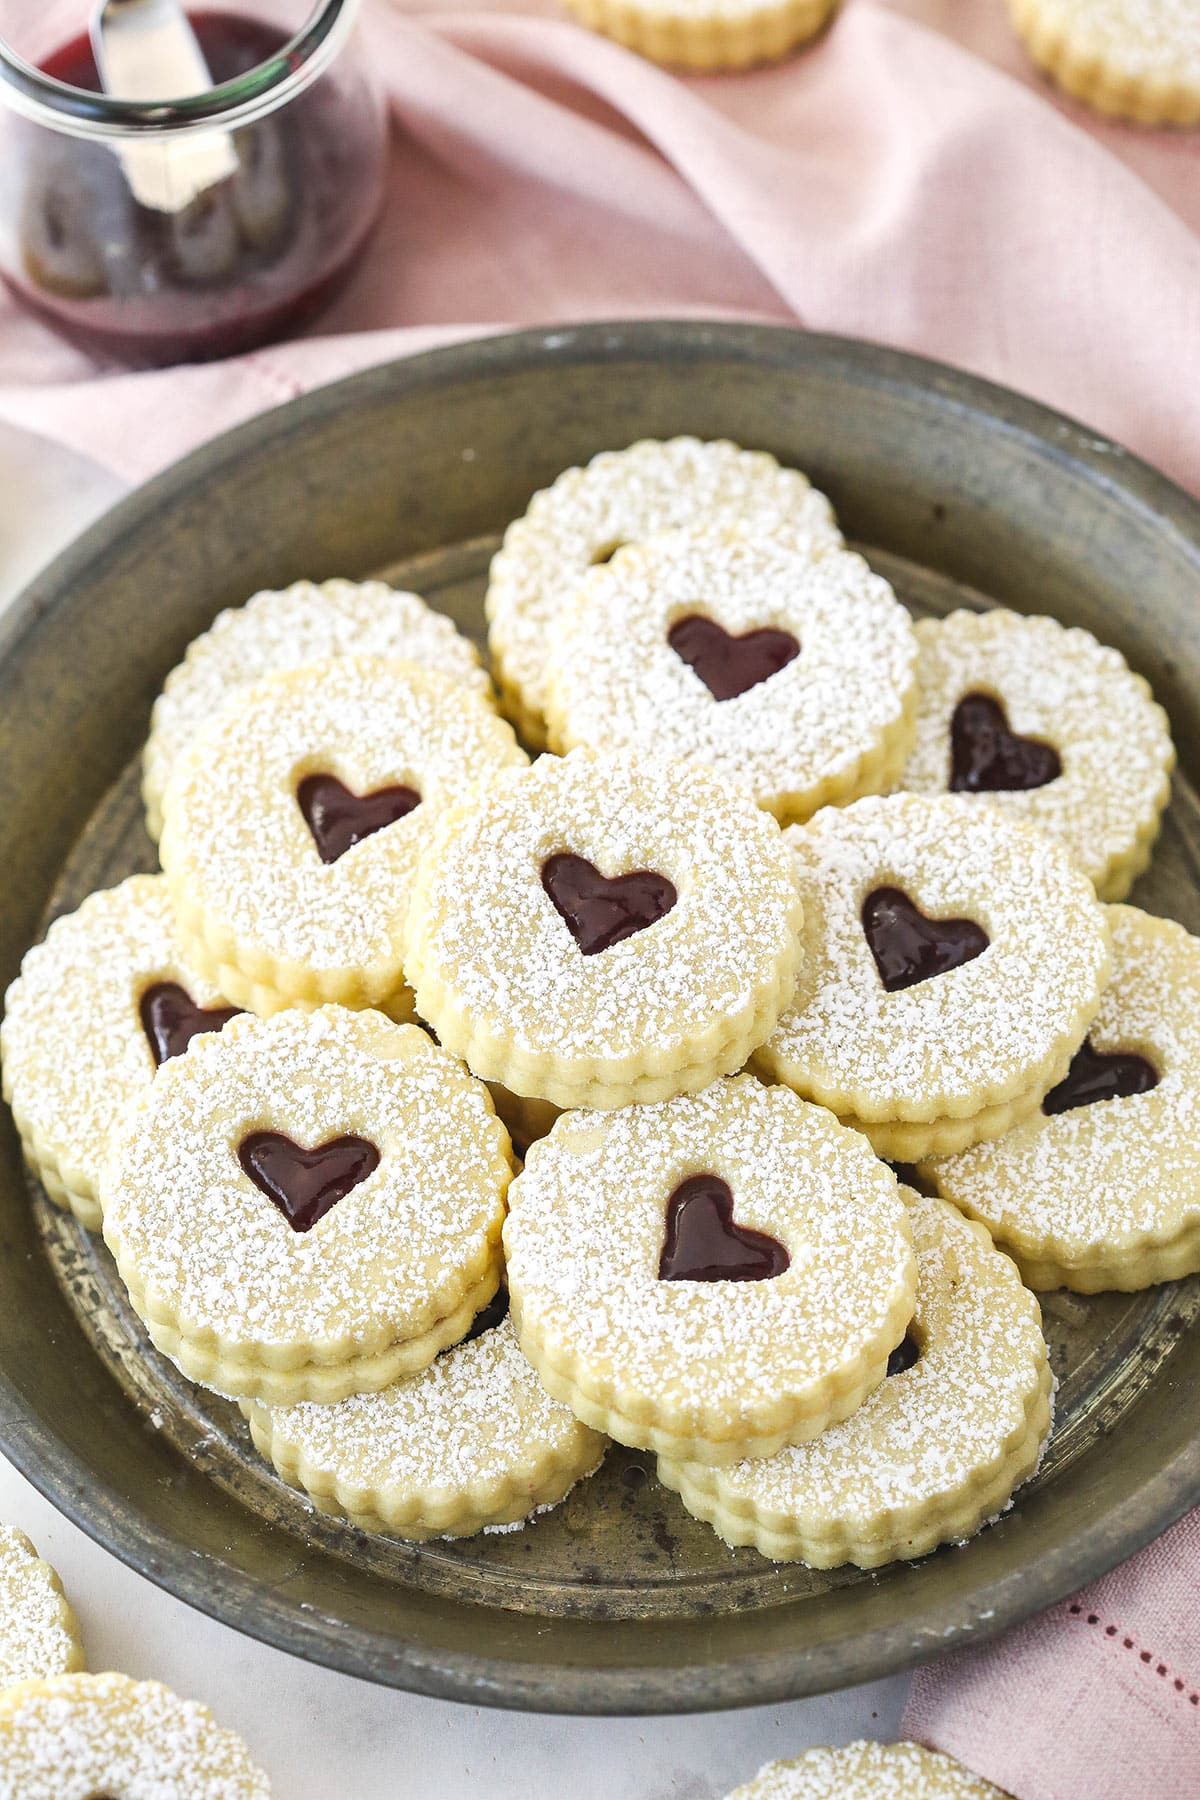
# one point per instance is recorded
(794, 891)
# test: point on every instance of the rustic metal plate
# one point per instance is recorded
(617, 1601)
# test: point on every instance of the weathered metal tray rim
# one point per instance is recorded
(227, 1594)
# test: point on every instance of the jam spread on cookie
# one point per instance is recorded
(602, 910)
(306, 1184)
(171, 1019)
(339, 819)
(702, 1242)
(909, 947)
(728, 665)
(987, 757)
(1095, 1075)
(904, 1355)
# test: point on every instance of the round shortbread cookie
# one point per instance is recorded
(294, 822)
(1139, 59)
(473, 1442)
(283, 629)
(621, 497)
(39, 1634)
(598, 929)
(107, 995)
(710, 1276)
(791, 674)
(707, 34)
(867, 1771)
(84, 1737)
(1053, 727)
(938, 1448)
(1100, 1188)
(308, 1206)
(953, 961)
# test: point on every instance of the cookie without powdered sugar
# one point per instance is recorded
(295, 819)
(953, 960)
(598, 930)
(621, 497)
(1100, 1188)
(283, 629)
(708, 34)
(1139, 59)
(107, 996)
(473, 1442)
(711, 1276)
(1050, 726)
(85, 1737)
(867, 1771)
(39, 1634)
(308, 1206)
(791, 674)
(938, 1449)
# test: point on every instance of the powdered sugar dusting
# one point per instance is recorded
(80, 1735)
(1149, 38)
(614, 679)
(37, 1631)
(867, 1771)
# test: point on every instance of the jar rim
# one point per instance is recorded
(239, 101)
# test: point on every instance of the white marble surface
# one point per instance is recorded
(324, 1736)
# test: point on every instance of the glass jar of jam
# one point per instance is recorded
(180, 230)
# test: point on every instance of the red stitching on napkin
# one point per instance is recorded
(1127, 1643)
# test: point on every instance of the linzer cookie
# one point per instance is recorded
(1139, 59)
(294, 822)
(109, 995)
(706, 34)
(39, 1635)
(621, 497)
(602, 929)
(1051, 727)
(867, 1771)
(711, 1276)
(955, 1427)
(473, 1442)
(284, 629)
(89, 1737)
(308, 1206)
(1100, 1188)
(791, 674)
(953, 962)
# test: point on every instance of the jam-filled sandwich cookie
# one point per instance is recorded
(1139, 59)
(39, 1635)
(867, 1771)
(473, 1442)
(938, 1449)
(707, 34)
(711, 1276)
(598, 929)
(308, 1206)
(106, 997)
(294, 822)
(283, 629)
(1100, 1188)
(792, 674)
(1053, 727)
(89, 1737)
(621, 497)
(953, 961)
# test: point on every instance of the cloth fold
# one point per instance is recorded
(907, 179)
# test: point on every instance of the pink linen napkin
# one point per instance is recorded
(908, 179)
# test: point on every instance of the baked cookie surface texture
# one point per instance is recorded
(39, 1634)
(1139, 59)
(868, 1771)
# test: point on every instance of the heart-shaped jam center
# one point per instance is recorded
(909, 947)
(339, 819)
(306, 1184)
(1098, 1075)
(601, 910)
(728, 665)
(904, 1355)
(702, 1242)
(987, 757)
(171, 1019)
